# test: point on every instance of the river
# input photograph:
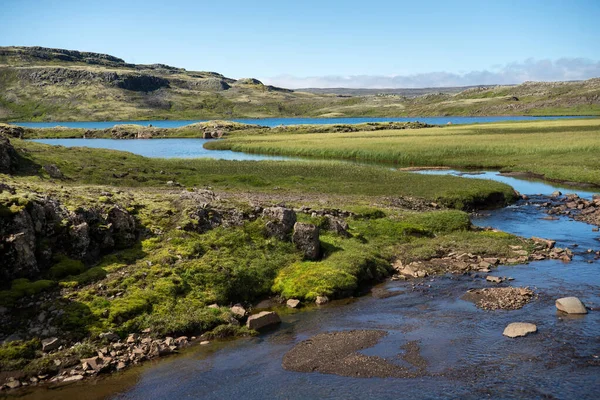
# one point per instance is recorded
(467, 356)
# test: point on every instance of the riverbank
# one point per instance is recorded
(563, 150)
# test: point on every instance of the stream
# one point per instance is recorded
(466, 354)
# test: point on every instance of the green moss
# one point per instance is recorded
(15, 355)
(65, 267)
(86, 277)
(23, 287)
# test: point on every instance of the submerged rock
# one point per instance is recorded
(263, 320)
(571, 305)
(517, 329)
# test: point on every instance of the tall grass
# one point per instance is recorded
(562, 149)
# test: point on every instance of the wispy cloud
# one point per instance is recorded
(562, 69)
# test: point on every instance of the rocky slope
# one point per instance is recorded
(63, 85)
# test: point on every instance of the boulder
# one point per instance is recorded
(263, 320)
(320, 300)
(123, 227)
(571, 305)
(50, 344)
(306, 238)
(517, 329)
(293, 303)
(556, 194)
(53, 171)
(337, 225)
(281, 221)
(238, 311)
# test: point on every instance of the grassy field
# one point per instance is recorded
(561, 149)
(93, 166)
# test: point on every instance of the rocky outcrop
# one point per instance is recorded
(306, 239)
(281, 221)
(8, 156)
(34, 230)
(142, 83)
(12, 131)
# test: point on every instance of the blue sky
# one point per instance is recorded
(327, 43)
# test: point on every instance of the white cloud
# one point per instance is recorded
(563, 69)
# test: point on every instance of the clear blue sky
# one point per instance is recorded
(312, 38)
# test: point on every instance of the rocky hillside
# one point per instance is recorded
(43, 84)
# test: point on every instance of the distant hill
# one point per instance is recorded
(45, 84)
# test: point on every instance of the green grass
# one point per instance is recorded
(93, 166)
(562, 149)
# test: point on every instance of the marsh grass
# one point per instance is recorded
(560, 149)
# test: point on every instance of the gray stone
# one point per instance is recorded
(517, 329)
(571, 305)
(556, 194)
(493, 279)
(73, 378)
(281, 221)
(50, 344)
(263, 320)
(321, 300)
(238, 311)
(111, 337)
(293, 303)
(306, 238)
(13, 384)
(53, 171)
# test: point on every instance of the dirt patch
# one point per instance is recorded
(505, 298)
(338, 353)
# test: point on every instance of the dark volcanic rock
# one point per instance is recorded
(8, 156)
(12, 131)
(142, 83)
(306, 238)
(30, 235)
(281, 221)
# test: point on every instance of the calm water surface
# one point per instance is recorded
(160, 148)
(467, 356)
(285, 121)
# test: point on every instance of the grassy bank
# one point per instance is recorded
(561, 149)
(95, 166)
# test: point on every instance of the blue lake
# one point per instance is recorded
(285, 121)
(160, 148)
